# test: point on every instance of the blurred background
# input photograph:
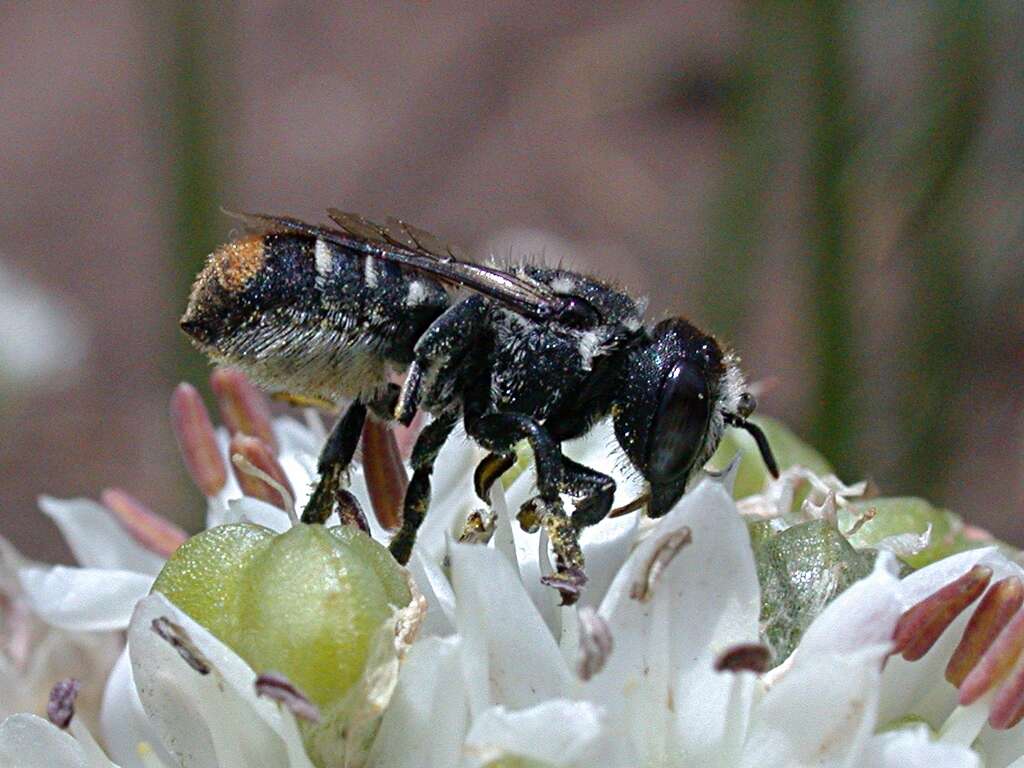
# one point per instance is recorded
(836, 189)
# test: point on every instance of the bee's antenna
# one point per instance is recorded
(734, 420)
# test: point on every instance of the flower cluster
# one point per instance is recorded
(752, 633)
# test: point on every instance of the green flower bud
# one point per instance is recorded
(514, 761)
(752, 475)
(801, 570)
(907, 514)
(306, 603)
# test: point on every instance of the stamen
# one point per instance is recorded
(243, 408)
(197, 440)
(664, 553)
(268, 482)
(993, 613)
(859, 523)
(748, 657)
(1008, 705)
(155, 533)
(965, 723)
(386, 479)
(595, 643)
(279, 688)
(569, 581)
(60, 708)
(178, 639)
(919, 627)
(996, 662)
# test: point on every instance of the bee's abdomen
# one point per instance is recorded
(309, 317)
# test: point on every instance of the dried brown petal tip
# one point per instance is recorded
(269, 473)
(197, 440)
(920, 626)
(595, 643)
(386, 479)
(243, 408)
(748, 657)
(665, 551)
(282, 690)
(996, 662)
(60, 709)
(993, 613)
(155, 533)
(178, 639)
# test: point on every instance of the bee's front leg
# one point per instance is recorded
(597, 491)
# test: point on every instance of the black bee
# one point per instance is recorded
(529, 352)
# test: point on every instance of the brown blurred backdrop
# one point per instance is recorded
(835, 188)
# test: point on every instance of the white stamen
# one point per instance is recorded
(252, 470)
(963, 726)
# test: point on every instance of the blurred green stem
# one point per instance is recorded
(935, 236)
(834, 413)
(193, 110)
(737, 217)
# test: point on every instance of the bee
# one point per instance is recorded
(530, 352)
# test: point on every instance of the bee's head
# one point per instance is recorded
(679, 393)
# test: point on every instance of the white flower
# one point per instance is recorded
(33, 654)
(203, 710)
(39, 336)
(977, 649)
(658, 665)
(507, 683)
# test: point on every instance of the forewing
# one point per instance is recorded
(419, 251)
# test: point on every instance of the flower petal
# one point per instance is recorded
(659, 685)
(509, 655)
(914, 748)
(821, 713)
(29, 741)
(207, 719)
(84, 599)
(865, 614)
(558, 733)
(123, 720)
(95, 537)
(426, 721)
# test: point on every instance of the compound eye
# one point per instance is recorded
(680, 422)
(578, 313)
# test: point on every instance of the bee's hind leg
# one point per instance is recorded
(334, 461)
(337, 453)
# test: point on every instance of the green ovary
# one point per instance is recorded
(305, 603)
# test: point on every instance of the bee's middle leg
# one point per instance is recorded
(499, 432)
(417, 495)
